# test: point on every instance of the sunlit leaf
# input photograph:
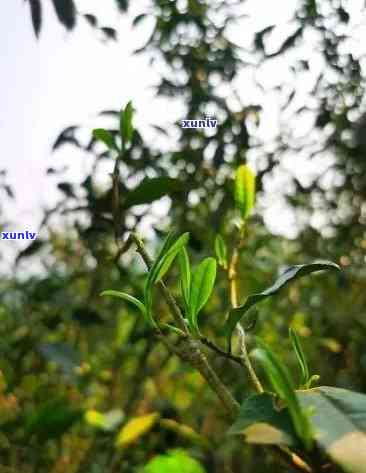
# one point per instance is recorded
(176, 461)
(244, 190)
(203, 280)
(221, 251)
(136, 428)
(262, 422)
(107, 421)
(338, 420)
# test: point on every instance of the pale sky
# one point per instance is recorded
(67, 78)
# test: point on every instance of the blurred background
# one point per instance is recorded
(286, 84)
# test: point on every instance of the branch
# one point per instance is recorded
(188, 348)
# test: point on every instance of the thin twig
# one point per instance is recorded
(220, 351)
(233, 283)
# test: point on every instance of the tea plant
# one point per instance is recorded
(311, 428)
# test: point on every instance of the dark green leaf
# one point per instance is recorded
(91, 19)
(152, 189)
(300, 355)
(260, 35)
(36, 15)
(122, 5)
(66, 12)
(52, 419)
(338, 420)
(202, 284)
(262, 422)
(110, 33)
(105, 137)
(9, 191)
(291, 274)
(283, 386)
(289, 42)
(87, 316)
(66, 188)
(30, 249)
(138, 19)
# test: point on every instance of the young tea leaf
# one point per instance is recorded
(221, 251)
(167, 259)
(105, 137)
(283, 386)
(203, 280)
(291, 274)
(244, 190)
(126, 126)
(300, 355)
(162, 265)
(132, 300)
(185, 275)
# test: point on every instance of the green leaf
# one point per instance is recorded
(244, 190)
(175, 461)
(132, 300)
(221, 251)
(36, 15)
(66, 12)
(125, 123)
(291, 274)
(105, 137)
(338, 421)
(52, 419)
(282, 384)
(185, 275)
(138, 19)
(161, 266)
(152, 189)
(300, 355)
(203, 280)
(168, 257)
(262, 422)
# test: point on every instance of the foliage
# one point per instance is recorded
(78, 368)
